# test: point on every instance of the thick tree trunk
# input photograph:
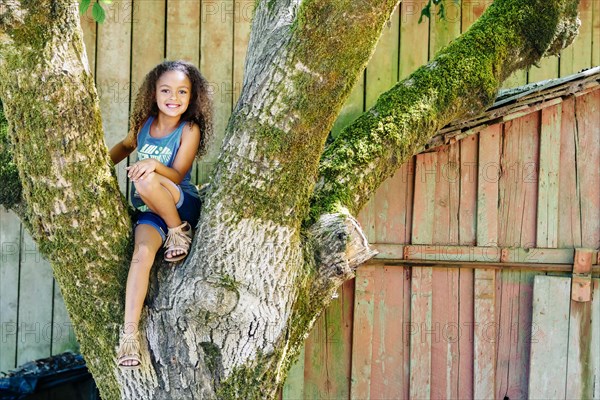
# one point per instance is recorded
(230, 320)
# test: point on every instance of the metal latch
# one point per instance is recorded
(581, 283)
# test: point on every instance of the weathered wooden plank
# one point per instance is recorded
(424, 198)
(578, 55)
(549, 337)
(414, 38)
(148, 40)
(63, 335)
(421, 330)
(547, 212)
(241, 37)
(394, 207)
(294, 384)
(516, 79)
(34, 336)
(468, 191)
(485, 335)
(362, 338)
(442, 31)
(10, 248)
(445, 333)
(487, 194)
(88, 26)
(518, 204)
(183, 29)
(216, 64)
(588, 166)
(595, 337)
(328, 349)
(113, 52)
(389, 377)
(580, 374)
(467, 236)
(569, 217)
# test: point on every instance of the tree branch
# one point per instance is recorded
(461, 81)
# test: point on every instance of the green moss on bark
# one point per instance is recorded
(461, 81)
(10, 192)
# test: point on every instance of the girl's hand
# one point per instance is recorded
(141, 169)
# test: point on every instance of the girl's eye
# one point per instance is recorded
(182, 92)
(165, 90)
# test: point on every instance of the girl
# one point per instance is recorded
(170, 124)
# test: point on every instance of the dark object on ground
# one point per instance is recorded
(63, 376)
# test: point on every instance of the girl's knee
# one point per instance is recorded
(144, 254)
(147, 185)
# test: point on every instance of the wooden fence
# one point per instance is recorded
(356, 349)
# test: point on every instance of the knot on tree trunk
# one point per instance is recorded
(340, 246)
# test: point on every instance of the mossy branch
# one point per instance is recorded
(461, 81)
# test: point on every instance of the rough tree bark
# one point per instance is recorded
(277, 236)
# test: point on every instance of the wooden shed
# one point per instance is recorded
(483, 283)
(468, 233)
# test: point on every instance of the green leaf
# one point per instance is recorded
(98, 13)
(442, 11)
(83, 6)
(106, 1)
(425, 12)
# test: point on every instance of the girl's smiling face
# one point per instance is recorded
(173, 92)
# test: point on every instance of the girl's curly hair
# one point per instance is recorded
(199, 110)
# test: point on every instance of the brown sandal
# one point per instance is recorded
(178, 238)
(129, 350)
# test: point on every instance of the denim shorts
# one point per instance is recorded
(188, 207)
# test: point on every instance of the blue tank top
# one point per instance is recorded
(163, 149)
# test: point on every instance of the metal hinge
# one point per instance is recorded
(581, 283)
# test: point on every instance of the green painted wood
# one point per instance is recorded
(596, 38)
(442, 31)
(587, 146)
(414, 38)
(579, 54)
(113, 51)
(63, 335)
(34, 336)
(10, 249)
(549, 337)
(547, 211)
(362, 338)
(216, 64)
(547, 69)
(353, 106)
(516, 79)
(294, 384)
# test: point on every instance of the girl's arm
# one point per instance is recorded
(190, 140)
(121, 150)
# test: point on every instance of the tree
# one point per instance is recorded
(277, 235)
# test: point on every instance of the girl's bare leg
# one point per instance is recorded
(147, 243)
(161, 195)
